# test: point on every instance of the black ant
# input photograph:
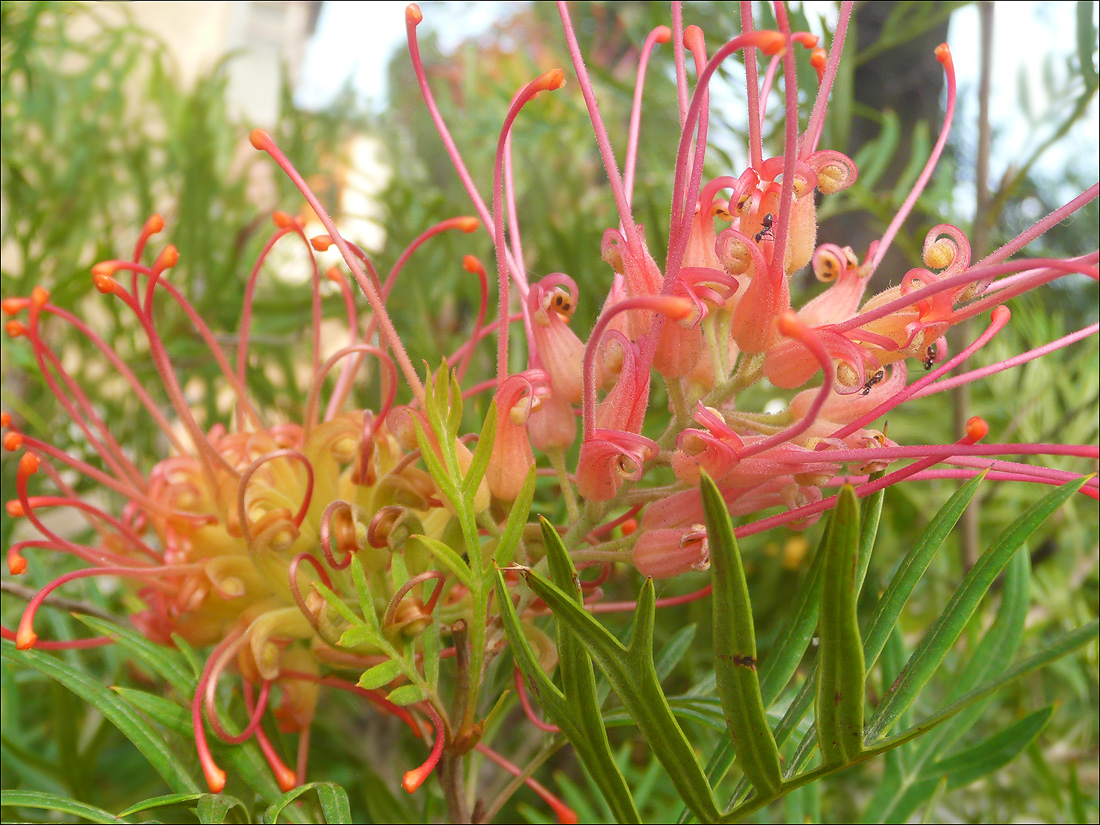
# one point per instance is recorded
(874, 379)
(766, 231)
(930, 357)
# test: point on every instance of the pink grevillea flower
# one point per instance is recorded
(716, 316)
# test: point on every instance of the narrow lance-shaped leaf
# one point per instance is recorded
(942, 636)
(735, 650)
(592, 748)
(632, 675)
(840, 668)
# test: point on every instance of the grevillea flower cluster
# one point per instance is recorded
(268, 542)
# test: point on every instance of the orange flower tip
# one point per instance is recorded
(14, 329)
(39, 297)
(413, 15)
(818, 58)
(12, 441)
(805, 39)
(413, 779)
(154, 225)
(629, 527)
(1001, 314)
(282, 220)
(472, 265)
(17, 565)
(769, 42)
(333, 274)
(105, 283)
(662, 34)
(789, 324)
(106, 268)
(693, 38)
(976, 428)
(468, 223)
(286, 778)
(260, 140)
(943, 54)
(565, 814)
(553, 79)
(28, 465)
(168, 258)
(215, 778)
(11, 306)
(25, 637)
(14, 508)
(5, 419)
(321, 242)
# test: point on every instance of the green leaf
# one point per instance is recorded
(840, 665)
(406, 695)
(53, 802)
(632, 675)
(448, 558)
(363, 594)
(333, 798)
(359, 635)
(517, 519)
(992, 754)
(1086, 43)
(947, 628)
(161, 659)
(213, 808)
(380, 675)
(674, 651)
(735, 650)
(121, 715)
(484, 450)
(162, 802)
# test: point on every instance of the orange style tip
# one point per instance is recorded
(472, 265)
(39, 297)
(28, 464)
(977, 428)
(12, 441)
(818, 58)
(105, 283)
(154, 225)
(693, 37)
(282, 220)
(260, 139)
(805, 39)
(553, 79)
(629, 527)
(943, 54)
(662, 34)
(333, 274)
(566, 816)
(769, 42)
(789, 324)
(14, 329)
(468, 224)
(321, 242)
(286, 778)
(1001, 314)
(215, 778)
(413, 780)
(105, 268)
(5, 419)
(11, 306)
(17, 565)
(25, 638)
(413, 15)
(168, 258)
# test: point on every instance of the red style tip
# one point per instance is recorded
(17, 565)
(215, 777)
(976, 428)
(5, 419)
(321, 242)
(11, 306)
(472, 265)
(286, 778)
(693, 38)
(662, 34)
(943, 54)
(260, 140)
(414, 779)
(40, 296)
(25, 637)
(769, 42)
(468, 223)
(12, 441)
(154, 225)
(413, 15)
(105, 283)
(1001, 314)
(28, 465)
(282, 220)
(167, 259)
(14, 508)
(629, 527)
(805, 39)
(818, 59)
(14, 329)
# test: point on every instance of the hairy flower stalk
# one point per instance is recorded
(306, 547)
